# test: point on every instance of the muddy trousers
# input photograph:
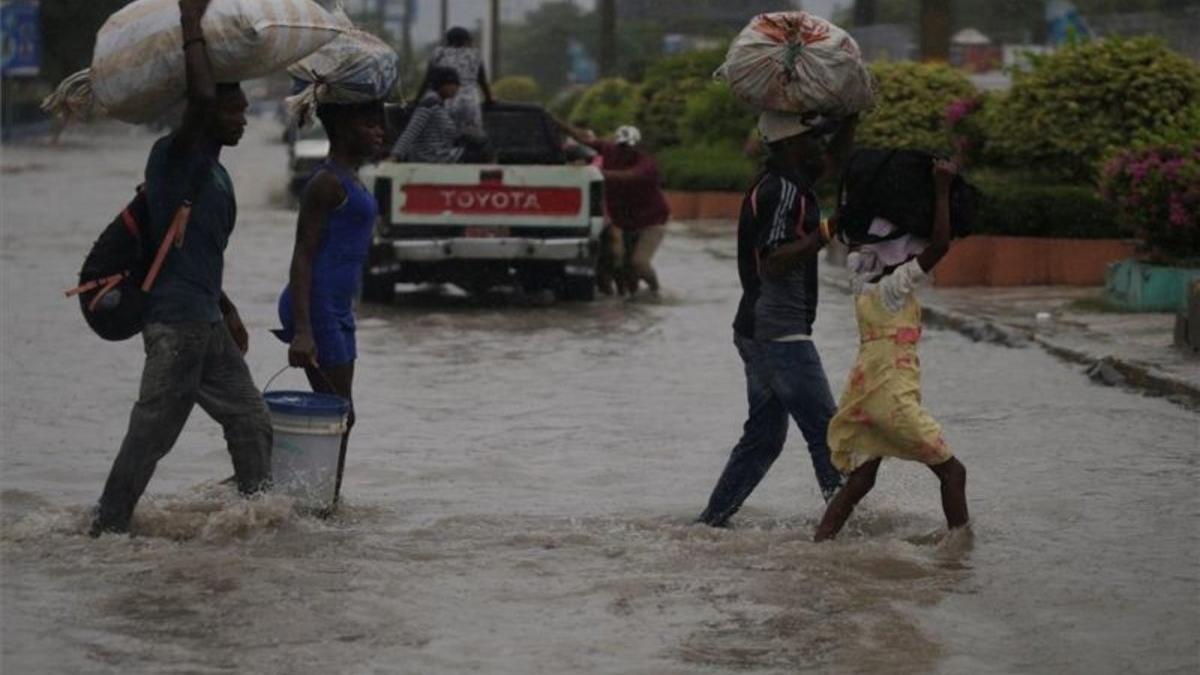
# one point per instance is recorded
(186, 364)
(782, 379)
(639, 246)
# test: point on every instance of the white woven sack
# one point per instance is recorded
(356, 67)
(797, 62)
(138, 66)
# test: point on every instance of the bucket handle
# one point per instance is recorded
(284, 369)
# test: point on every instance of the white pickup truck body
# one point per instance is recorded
(530, 220)
(479, 226)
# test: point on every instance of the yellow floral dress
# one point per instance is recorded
(880, 413)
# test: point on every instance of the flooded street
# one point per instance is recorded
(522, 479)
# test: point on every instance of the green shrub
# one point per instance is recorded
(666, 89)
(1028, 205)
(1077, 104)
(606, 105)
(562, 104)
(713, 166)
(517, 88)
(911, 105)
(714, 115)
(1155, 190)
(1184, 129)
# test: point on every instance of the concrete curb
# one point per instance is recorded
(1103, 368)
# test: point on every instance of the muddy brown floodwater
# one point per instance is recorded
(522, 480)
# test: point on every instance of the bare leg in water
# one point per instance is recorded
(953, 476)
(951, 473)
(341, 378)
(857, 486)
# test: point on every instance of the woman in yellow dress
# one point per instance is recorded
(880, 414)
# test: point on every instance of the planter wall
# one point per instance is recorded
(1144, 287)
(989, 260)
(705, 205)
(684, 205)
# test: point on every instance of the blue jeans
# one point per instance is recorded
(782, 379)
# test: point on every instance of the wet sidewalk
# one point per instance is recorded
(1128, 349)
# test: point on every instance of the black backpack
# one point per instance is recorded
(121, 268)
(897, 185)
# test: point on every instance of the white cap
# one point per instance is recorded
(776, 126)
(627, 135)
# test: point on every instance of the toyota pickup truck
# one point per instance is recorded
(531, 220)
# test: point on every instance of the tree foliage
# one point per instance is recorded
(714, 115)
(606, 105)
(910, 108)
(69, 33)
(517, 88)
(1079, 103)
(666, 88)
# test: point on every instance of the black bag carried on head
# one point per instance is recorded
(897, 185)
(121, 268)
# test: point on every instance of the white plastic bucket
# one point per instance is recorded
(308, 429)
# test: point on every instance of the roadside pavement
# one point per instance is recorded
(1127, 349)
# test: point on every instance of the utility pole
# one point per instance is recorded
(608, 37)
(406, 45)
(494, 26)
(445, 21)
(935, 30)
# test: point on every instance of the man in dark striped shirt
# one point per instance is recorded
(779, 235)
(432, 136)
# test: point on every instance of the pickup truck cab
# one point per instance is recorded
(530, 220)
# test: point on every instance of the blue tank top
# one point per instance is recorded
(341, 254)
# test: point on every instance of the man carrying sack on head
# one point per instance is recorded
(194, 339)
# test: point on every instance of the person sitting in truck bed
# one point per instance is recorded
(432, 136)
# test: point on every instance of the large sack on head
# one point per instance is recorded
(797, 62)
(138, 66)
(355, 67)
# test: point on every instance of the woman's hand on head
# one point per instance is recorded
(944, 171)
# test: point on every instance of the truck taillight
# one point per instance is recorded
(383, 198)
(596, 198)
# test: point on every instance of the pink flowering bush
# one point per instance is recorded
(967, 133)
(1156, 192)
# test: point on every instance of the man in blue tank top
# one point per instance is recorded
(193, 336)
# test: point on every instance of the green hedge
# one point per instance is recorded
(1026, 205)
(562, 104)
(910, 107)
(517, 88)
(716, 166)
(668, 85)
(1082, 101)
(714, 115)
(606, 105)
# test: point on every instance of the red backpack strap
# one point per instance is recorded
(174, 235)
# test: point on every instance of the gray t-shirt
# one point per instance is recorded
(189, 286)
(786, 209)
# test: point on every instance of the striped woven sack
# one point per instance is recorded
(138, 69)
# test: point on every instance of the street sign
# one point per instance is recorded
(20, 39)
